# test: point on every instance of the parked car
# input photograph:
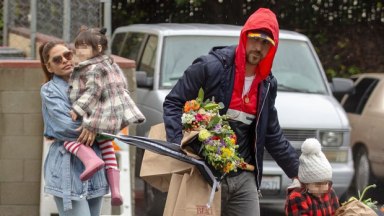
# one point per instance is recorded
(365, 110)
(304, 101)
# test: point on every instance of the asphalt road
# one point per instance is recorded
(272, 210)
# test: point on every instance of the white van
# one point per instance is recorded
(305, 104)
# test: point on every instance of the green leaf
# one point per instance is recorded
(361, 197)
(369, 202)
(200, 97)
(214, 121)
(210, 106)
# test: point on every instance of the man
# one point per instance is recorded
(240, 77)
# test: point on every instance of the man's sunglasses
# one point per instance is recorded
(57, 60)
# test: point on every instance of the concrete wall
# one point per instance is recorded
(21, 129)
(20, 138)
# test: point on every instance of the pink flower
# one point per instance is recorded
(199, 117)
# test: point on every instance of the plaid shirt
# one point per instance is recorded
(98, 92)
(300, 202)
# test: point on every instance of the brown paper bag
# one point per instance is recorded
(173, 193)
(188, 196)
(188, 192)
(187, 138)
(157, 169)
(355, 208)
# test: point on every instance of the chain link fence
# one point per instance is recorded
(1, 21)
(26, 23)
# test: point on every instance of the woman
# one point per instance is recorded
(61, 169)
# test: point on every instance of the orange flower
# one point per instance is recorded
(233, 139)
(191, 105)
(187, 107)
(195, 105)
(228, 167)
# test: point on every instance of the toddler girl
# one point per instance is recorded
(98, 92)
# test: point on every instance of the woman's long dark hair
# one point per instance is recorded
(44, 50)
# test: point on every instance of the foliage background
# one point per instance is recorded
(347, 34)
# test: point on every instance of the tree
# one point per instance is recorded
(346, 34)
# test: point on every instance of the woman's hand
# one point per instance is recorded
(73, 115)
(86, 137)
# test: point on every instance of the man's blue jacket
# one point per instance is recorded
(215, 74)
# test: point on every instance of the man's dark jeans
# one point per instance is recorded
(239, 195)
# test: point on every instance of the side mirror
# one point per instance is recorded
(341, 86)
(143, 80)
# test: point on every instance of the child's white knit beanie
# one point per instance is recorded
(314, 166)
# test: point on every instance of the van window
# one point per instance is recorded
(355, 103)
(148, 60)
(180, 51)
(117, 43)
(129, 45)
(296, 69)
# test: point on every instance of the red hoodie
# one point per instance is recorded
(262, 19)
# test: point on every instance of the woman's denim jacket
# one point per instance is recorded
(62, 169)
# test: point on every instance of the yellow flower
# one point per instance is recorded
(204, 134)
(226, 153)
(228, 167)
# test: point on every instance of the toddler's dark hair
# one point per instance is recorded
(92, 37)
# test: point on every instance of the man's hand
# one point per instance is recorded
(73, 115)
(86, 137)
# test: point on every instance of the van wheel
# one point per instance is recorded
(363, 174)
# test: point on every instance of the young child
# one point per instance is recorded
(98, 93)
(315, 195)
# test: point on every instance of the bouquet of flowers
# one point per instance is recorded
(217, 138)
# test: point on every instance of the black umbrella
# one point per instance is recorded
(172, 150)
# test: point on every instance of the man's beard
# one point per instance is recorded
(253, 58)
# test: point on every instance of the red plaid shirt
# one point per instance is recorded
(300, 202)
